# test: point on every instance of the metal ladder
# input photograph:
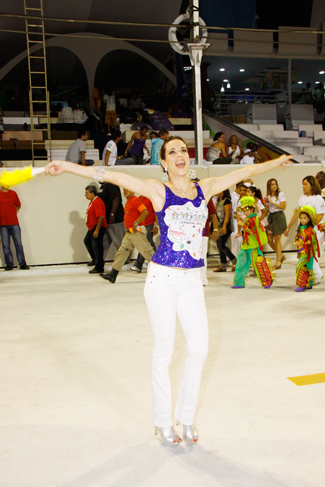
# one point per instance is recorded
(39, 100)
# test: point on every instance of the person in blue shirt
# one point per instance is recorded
(157, 145)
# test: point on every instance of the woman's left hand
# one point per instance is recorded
(284, 160)
(55, 168)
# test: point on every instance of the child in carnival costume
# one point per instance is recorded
(307, 248)
(251, 249)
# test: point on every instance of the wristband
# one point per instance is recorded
(98, 176)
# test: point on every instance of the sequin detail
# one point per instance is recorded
(181, 224)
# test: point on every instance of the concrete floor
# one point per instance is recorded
(75, 407)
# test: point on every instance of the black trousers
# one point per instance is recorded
(223, 249)
(95, 247)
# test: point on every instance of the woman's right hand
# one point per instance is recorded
(54, 168)
(286, 232)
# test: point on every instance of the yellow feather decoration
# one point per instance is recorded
(11, 178)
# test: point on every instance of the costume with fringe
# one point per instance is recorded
(308, 250)
(251, 253)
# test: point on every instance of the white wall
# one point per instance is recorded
(53, 209)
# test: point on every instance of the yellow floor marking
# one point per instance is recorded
(306, 380)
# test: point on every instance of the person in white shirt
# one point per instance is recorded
(110, 115)
(276, 202)
(110, 152)
(233, 149)
(77, 150)
(110, 149)
(251, 156)
(312, 197)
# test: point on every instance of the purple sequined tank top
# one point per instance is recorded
(181, 224)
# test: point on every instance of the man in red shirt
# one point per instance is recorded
(152, 229)
(96, 223)
(135, 212)
(9, 227)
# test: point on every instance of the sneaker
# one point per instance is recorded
(24, 267)
(8, 268)
(135, 268)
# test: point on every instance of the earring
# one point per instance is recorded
(191, 174)
(165, 176)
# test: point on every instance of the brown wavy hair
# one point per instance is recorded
(315, 187)
(268, 187)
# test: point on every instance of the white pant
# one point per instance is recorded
(170, 292)
(203, 270)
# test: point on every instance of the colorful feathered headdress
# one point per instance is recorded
(309, 210)
(247, 201)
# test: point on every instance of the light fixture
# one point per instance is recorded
(317, 82)
(228, 85)
(222, 69)
(242, 70)
(222, 89)
(208, 79)
(225, 80)
(322, 72)
(299, 82)
(246, 89)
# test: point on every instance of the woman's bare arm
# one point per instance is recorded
(151, 188)
(223, 149)
(212, 186)
(129, 144)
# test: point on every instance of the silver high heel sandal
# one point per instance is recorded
(168, 436)
(190, 433)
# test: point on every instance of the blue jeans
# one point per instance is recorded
(13, 231)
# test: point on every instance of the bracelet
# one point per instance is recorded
(112, 214)
(215, 230)
(136, 223)
(98, 175)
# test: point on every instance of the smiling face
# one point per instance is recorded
(176, 159)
